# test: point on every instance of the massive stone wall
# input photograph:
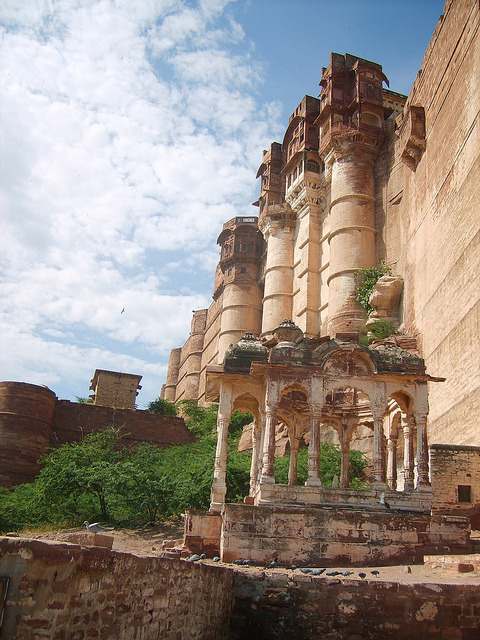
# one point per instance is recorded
(33, 419)
(68, 592)
(431, 230)
(426, 223)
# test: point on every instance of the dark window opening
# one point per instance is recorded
(464, 493)
(243, 270)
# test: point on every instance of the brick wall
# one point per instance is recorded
(270, 606)
(32, 419)
(68, 592)
(71, 420)
(455, 474)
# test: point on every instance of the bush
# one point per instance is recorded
(163, 407)
(369, 278)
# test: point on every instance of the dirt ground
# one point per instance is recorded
(147, 541)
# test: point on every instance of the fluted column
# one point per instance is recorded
(423, 480)
(378, 453)
(345, 458)
(408, 460)
(392, 463)
(314, 448)
(219, 486)
(255, 453)
(172, 374)
(278, 229)
(293, 466)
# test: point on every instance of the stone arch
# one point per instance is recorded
(343, 362)
(400, 439)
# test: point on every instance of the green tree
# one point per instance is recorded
(163, 407)
(329, 465)
(75, 473)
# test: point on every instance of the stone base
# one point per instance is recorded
(318, 496)
(202, 532)
(89, 539)
(332, 536)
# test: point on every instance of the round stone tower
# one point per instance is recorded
(277, 223)
(172, 374)
(241, 248)
(26, 422)
(351, 133)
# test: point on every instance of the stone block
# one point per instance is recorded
(87, 539)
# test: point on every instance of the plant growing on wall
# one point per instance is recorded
(368, 278)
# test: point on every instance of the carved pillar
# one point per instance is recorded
(314, 448)
(269, 447)
(345, 459)
(378, 411)
(219, 486)
(392, 463)
(292, 468)
(378, 453)
(408, 462)
(422, 451)
(261, 447)
(255, 454)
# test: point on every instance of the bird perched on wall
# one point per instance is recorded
(273, 564)
(362, 575)
(374, 572)
(95, 527)
(382, 501)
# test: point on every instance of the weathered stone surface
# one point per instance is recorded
(304, 608)
(87, 592)
(332, 537)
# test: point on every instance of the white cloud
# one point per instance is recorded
(128, 127)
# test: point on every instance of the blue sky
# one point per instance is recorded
(130, 132)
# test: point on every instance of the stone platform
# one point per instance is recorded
(327, 536)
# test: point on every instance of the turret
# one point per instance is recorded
(351, 133)
(241, 246)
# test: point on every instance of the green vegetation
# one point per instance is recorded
(369, 278)
(163, 407)
(330, 460)
(100, 479)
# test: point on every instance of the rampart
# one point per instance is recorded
(59, 591)
(32, 419)
(64, 591)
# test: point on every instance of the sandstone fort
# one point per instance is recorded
(364, 178)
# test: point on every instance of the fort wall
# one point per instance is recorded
(455, 473)
(426, 171)
(269, 605)
(432, 221)
(64, 591)
(26, 422)
(33, 419)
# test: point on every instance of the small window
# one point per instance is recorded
(464, 493)
(243, 270)
(313, 166)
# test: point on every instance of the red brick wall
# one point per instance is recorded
(32, 419)
(71, 421)
(68, 592)
(26, 414)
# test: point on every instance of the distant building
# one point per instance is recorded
(115, 389)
